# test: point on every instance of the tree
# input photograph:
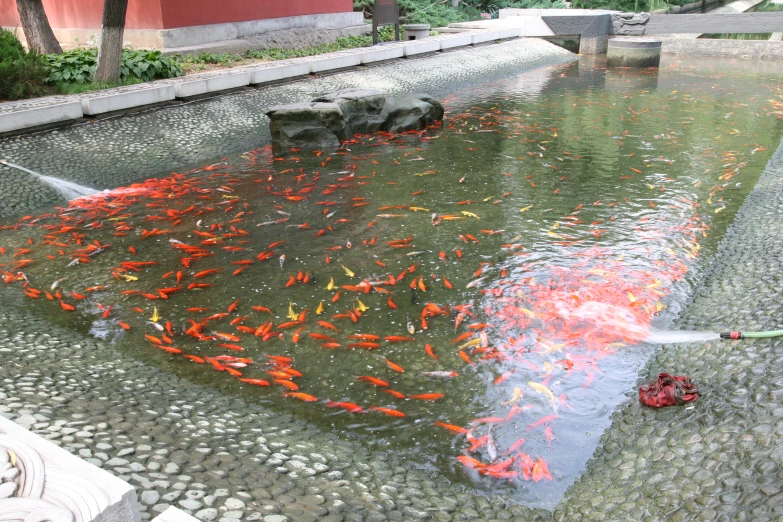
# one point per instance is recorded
(37, 30)
(110, 47)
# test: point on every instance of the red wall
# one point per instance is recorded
(183, 13)
(167, 14)
(86, 14)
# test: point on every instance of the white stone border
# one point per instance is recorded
(16, 116)
(57, 486)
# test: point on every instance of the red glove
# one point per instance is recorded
(668, 390)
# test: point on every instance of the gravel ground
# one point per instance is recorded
(113, 152)
(220, 457)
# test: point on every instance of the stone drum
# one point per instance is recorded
(637, 52)
(415, 31)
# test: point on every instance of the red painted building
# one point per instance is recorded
(177, 23)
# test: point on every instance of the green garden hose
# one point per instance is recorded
(752, 335)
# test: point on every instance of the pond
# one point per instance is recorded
(474, 296)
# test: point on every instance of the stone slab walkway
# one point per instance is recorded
(26, 115)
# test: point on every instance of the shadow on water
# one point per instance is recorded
(555, 217)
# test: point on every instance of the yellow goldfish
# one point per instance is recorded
(474, 342)
(516, 396)
(469, 214)
(330, 286)
(419, 209)
(347, 271)
(362, 307)
(543, 390)
(525, 209)
(129, 278)
(320, 308)
(291, 314)
(155, 317)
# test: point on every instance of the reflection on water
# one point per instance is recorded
(521, 251)
(765, 6)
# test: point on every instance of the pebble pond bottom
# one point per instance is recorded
(471, 297)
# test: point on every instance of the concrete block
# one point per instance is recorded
(173, 514)
(186, 88)
(226, 81)
(489, 36)
(535, 26)
(377, 54)
(421, 46)
(460, 40)
(22, 116)
(125, 98)
(510, 32)
(332, 61)
(279, 72)
(56, 485)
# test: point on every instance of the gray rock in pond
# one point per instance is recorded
(328, 120)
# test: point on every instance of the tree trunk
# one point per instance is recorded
(110, 47)
(455, 3)
(36, 27)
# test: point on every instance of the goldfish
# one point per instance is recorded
(291, 314)
(301, 396)
(441, 374)
(256, 382)
(372, 380)
(469, 214)
(543, 390)
(427, 396)
(348, 406)
(388, 411)
(155, 316)
(452, 427)
(328, 325)
(320, 308)
(348, 272)
(330, 286)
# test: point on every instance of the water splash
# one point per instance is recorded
(658, 337)
(66, 189)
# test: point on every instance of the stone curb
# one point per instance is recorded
(31, 114)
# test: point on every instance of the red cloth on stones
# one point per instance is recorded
(668, 390)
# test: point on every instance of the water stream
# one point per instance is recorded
(67, 189)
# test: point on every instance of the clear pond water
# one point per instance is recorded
(527, 245)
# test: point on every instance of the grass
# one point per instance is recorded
(203, 61)
(80, 88)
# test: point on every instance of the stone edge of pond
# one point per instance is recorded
(721, 458)
(33, 114)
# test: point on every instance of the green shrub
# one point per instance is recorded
(78, 65)
(22, 74)
(10, 47)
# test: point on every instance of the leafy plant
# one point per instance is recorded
(78, 65)
(148, 65)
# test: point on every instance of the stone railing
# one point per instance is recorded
(41, 482)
